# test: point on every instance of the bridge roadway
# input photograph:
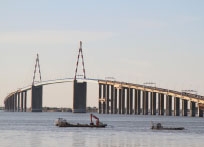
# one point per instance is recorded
(17, 100)
(182, 95)
(118, 98)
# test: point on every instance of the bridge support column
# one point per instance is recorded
(104, 96)
(112, 98)
(99, 99)
(18, 102)
(107, 99)
(168, 105)
(176, 106)
(120, 101)
(115, 100)
(145, 102)
(128, 101)
(12, 104)
(131, 101)
(200, 112)
(6, 105)
(9, 104)
(184, 107)
(25, 101)
(36, 99)
(79, 97)
(22, 97)
(123, 100)
(153, 103)
(192, 109)
(161, 104)
(137, 101)
(15, 102)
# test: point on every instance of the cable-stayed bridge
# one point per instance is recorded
(114, 97)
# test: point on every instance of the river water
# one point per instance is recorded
(38, 130)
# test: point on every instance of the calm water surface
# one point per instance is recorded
(38, 130)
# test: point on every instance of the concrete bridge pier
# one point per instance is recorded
(200, 112)
(153, 103)
(176, 106)
(115, 100)
(25, 101)
(168, 105)
(79, 97)
(107, 95)
(192, 109)
(120, 101)
(105, 99)
(15, 102)
(22, 98)
(184, 108)
(137, 101)
(128, 101)
(123, 100)
(131, 101)
(18, 107)
(112, 97)
(161, 104)
(36, 98)
(100, 102)
(7, 104)
(145, 102)
(12, 104)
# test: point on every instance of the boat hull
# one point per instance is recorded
(180, 128)
(83, 125)
(158, 126)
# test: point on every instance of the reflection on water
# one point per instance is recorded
(37, 129)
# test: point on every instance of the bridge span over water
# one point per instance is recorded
(127, 98)
(114, 97)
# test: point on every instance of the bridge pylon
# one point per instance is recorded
(36, 91)
(79, 88)
(37, 64)
(80, 54)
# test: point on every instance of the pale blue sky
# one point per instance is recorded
(135, 41)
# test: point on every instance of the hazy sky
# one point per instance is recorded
(134, 41)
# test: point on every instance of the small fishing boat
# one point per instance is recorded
(64, 123)
(158, 126)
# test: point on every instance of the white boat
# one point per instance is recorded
(60, 121)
